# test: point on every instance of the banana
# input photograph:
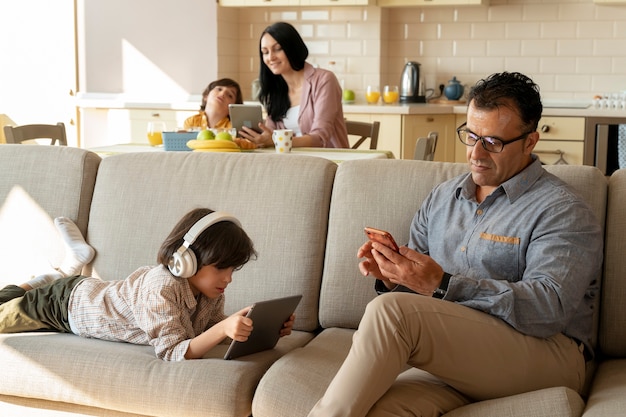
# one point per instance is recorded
(212, 144)
(217, 150)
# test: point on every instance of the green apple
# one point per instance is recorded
(348, 95)
(205, 134)
(223, 136)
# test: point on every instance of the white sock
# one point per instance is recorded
(44, 279)
(77, 251)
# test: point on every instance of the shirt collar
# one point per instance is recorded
(514, 187)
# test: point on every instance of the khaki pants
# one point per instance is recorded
(467, 355)
(43, 308)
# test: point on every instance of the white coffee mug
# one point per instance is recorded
(283, 140)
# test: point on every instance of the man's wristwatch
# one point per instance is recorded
(443, 287)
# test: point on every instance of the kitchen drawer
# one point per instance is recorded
(559, 152)
(562, 128)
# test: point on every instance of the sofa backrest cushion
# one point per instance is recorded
(612, 339)
(386, 195)
(37, 184)
(379, 193)
(281, 201)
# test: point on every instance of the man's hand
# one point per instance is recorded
(408, 268)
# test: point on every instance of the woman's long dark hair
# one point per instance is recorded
(274, 93)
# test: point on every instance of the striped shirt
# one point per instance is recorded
(149, 307)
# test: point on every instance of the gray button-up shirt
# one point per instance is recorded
(529, 254)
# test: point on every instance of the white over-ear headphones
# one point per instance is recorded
(183, 262)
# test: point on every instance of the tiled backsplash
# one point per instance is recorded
(573, 49)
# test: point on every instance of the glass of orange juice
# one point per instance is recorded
(155, 130)
(391, 94)
(372, 94)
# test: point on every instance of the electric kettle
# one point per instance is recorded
(411, 83)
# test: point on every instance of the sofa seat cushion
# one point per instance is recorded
(295, 382)
(549, 402)
(608, 390)
(129, 378)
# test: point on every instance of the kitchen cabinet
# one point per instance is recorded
(329, 3)
(415, 126)
(399, 132)
(614, 2)
(282, 3)
(260, 3)
(406, 3)
(389, 133)
(561, 140)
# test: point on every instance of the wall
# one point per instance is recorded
(37, 67)
(149, 50)
(573, 49)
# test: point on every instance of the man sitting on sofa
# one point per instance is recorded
(494, 294)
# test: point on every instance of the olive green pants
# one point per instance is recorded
(44, 308)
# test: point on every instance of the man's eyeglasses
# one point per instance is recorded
(490, 143)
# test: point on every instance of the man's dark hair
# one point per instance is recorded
(511, 89)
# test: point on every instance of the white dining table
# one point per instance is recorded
(334, 154)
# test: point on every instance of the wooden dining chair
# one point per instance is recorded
(24, 133)
(365, 131)
(425, 147)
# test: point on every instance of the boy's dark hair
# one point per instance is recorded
(511, 89)
(223, 82)
(274, 94)
(224, 244)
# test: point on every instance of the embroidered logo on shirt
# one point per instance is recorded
(502, 239)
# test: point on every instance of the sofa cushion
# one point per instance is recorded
(284, 392)
(35, 187)
(292, 386)
(608, 392)
(612, 339)
(139, 197)
(380, 193)
(549, 402)
(129, 378)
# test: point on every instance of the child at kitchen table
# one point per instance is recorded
(176, 306)
(214, 111)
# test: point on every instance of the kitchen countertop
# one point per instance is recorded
(192, 103)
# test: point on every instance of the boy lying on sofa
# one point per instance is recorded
(176, 306)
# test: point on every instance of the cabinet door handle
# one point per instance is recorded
(430, 119)
(545, 128)
(155, 115)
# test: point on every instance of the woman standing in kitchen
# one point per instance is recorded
(296, 95)
(214, 110)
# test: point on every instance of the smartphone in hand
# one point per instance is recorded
(382, 236)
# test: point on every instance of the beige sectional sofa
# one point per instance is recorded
(306, 216)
